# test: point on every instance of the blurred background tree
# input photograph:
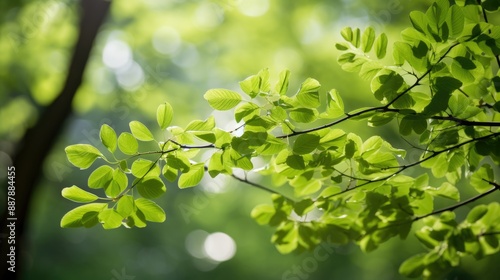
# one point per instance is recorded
(151, 51)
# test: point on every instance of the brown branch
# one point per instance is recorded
(407, 166)
(246, 181)
(449, 208)
(460, 204)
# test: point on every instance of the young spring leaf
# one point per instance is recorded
(151, 211)
(282, 85)
(419, 21)
(82, 155)
(108, 137)
(381, 46)
(246, 111)
(101, 177)
(263, 214)
(443, 88)
(76, 194)
(164, 115)
(414, 266)
(151, 188)
(140, 131)
(479, 180)
(85, 215)
(110, 219)
(335, 105)
(222, 99)
(347, 34)
(145, 168)
(304, 115)
(305, 143)
(125, 206)
(368, 39)
(193, 177)
(117, 185)
(308, 94)
(127, 143)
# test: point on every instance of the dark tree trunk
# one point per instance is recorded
(38, 140)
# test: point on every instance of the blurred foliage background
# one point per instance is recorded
(152, 51)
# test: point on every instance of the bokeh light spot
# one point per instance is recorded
(219, 247)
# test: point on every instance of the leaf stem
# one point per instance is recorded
(246, 181)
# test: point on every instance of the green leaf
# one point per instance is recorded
(117, 185)
(437, 12)
(443, 88)
(303, 115)
(347, 34)
(256, 84)
(140, 131)
(419, 21)
(462, 68)
(246, 111)
(101, 177)
(282, 85)
(110, 219)
(342, 46)
(127, 143)
(151, 211)
(125, 206)
(477, 213)
(199, 125)
(414, 266)
(368, 39)
(446, 190)
(335, 105)
(305, 143)
(479, 179)
(308, 188)
(411, 123)
(169, 173)
(381, 46)
(76, 194)
(151, 188)
(356, 37)
(85, 215)
(108, 137)
(193, 177)
(164, 115)
(216, 164)
(491, 5)
(369, 70)
(308, 94)
(179, 161)
(286, 237)
(386, 84)
(145, 168)
(263, 214)
(381, 119)
(82, 155)
(222, 99)
(456, 20)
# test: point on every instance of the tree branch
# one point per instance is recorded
(404, 167)
(486, 20)
(245, 180)
(460, 204)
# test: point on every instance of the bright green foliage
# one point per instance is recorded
(441, 91)
(164, 115)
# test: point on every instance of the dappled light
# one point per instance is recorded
(250, 139)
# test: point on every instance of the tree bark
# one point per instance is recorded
(38, 140)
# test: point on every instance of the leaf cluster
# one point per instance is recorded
(442, 89)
